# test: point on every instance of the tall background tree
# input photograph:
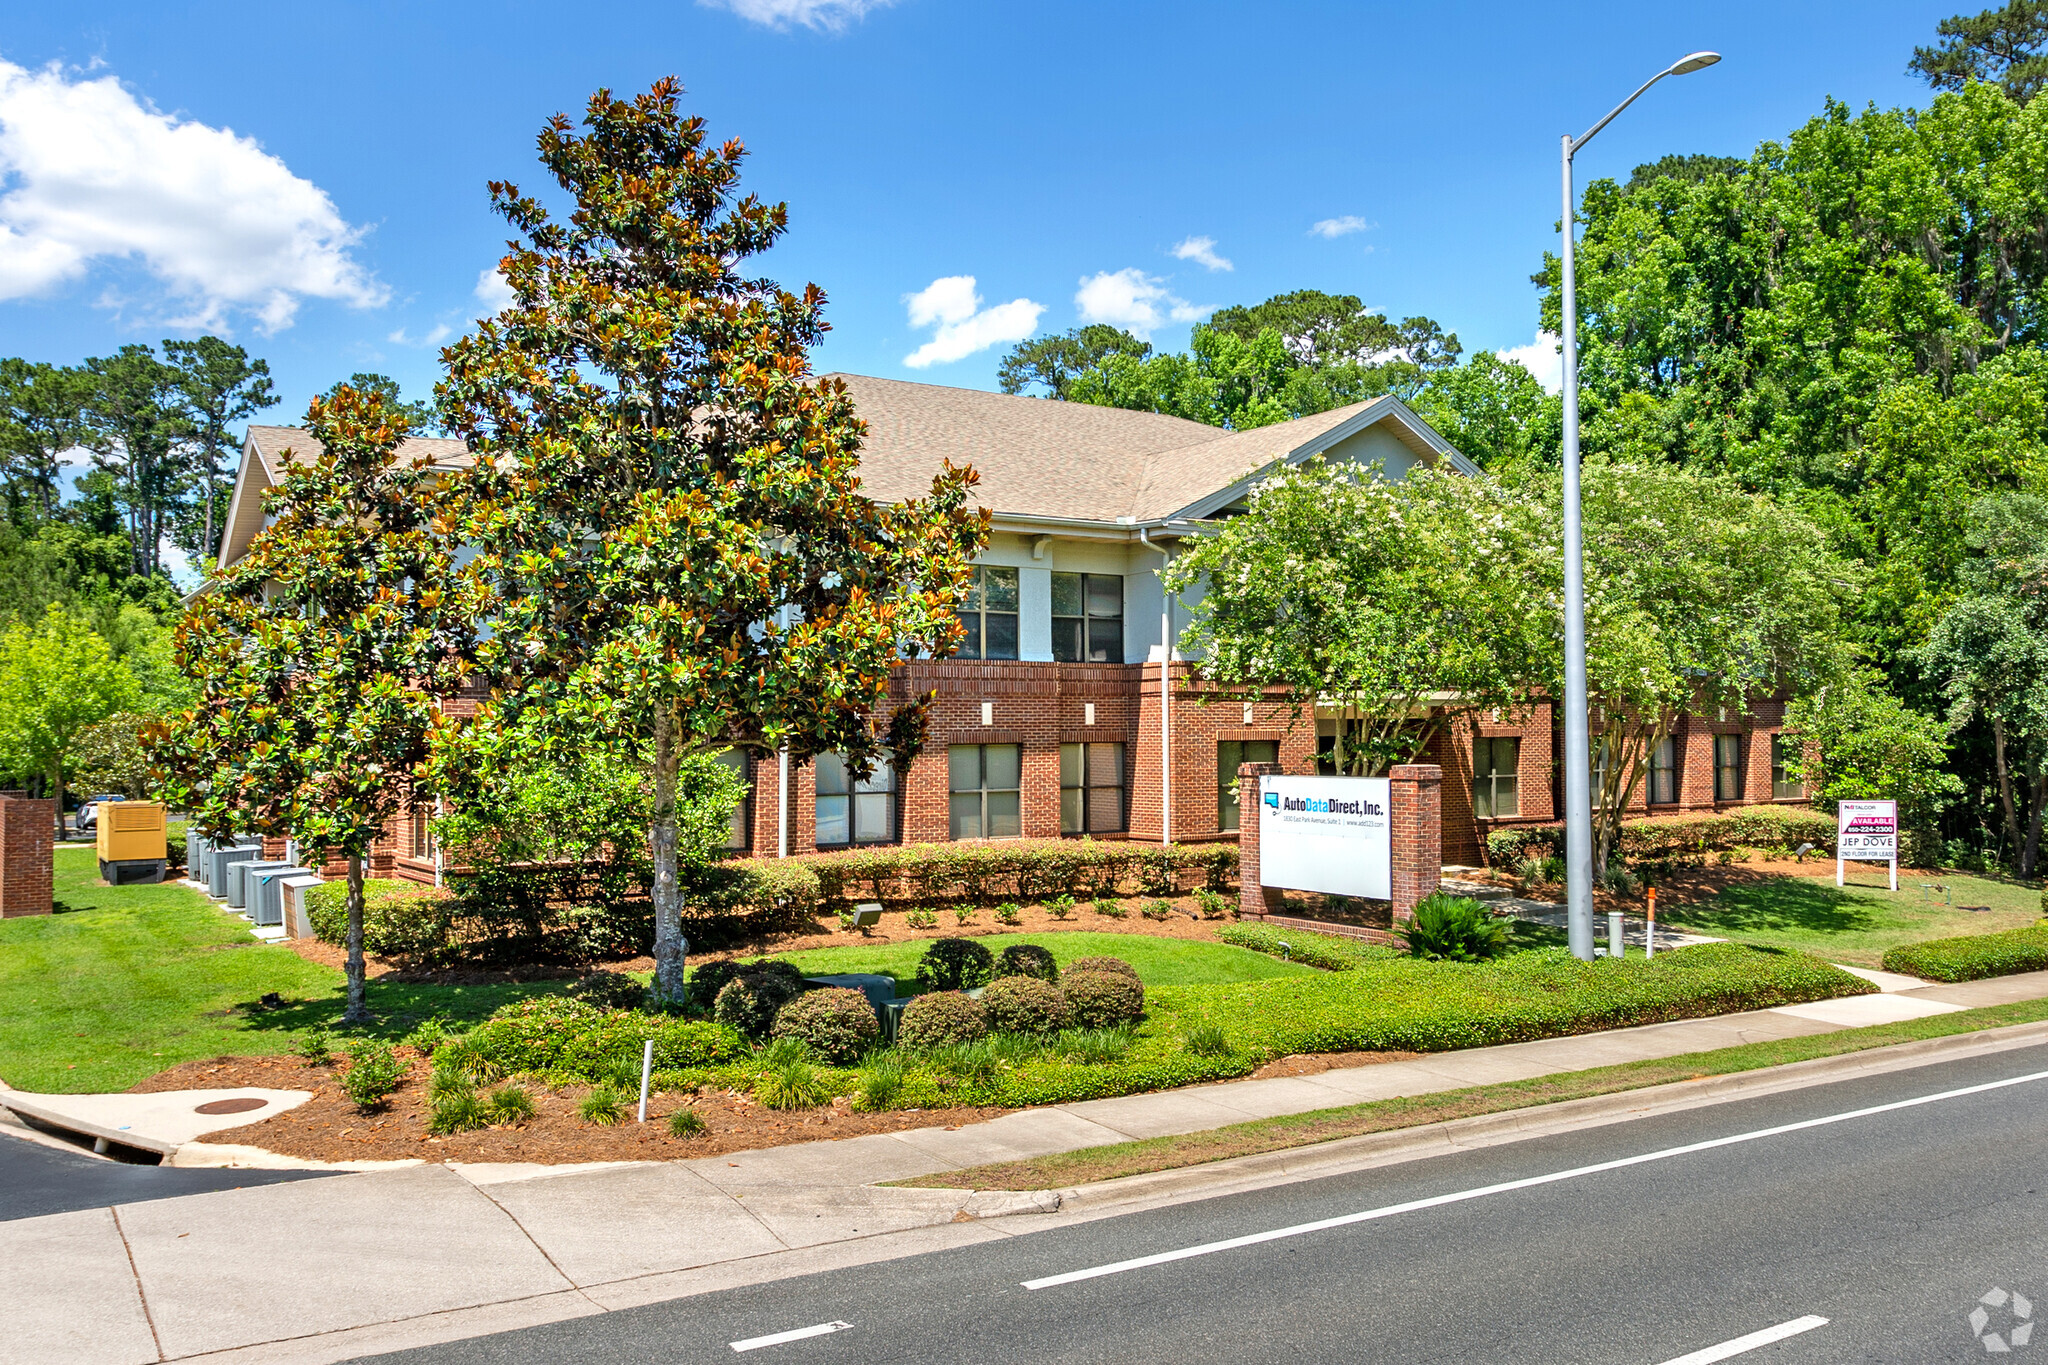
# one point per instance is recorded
(1053, 362)
(141, 428)
(220, 386)
(2007, 47)
(668, 502)
(42, 418)
(322, 654)
(420, 415)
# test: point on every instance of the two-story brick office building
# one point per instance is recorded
(1051, 721)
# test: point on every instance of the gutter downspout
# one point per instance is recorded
(1165, 692)
(782, 805)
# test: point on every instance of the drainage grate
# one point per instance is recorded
(237, 1106)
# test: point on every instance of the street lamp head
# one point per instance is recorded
(1694, 61)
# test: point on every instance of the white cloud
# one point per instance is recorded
(1202, 251)
(492, 291)
(951, 304)
(89, 173)
(829, 16)
(1339, 227)
(1137, 302)
(1540, 358)
(439, 333)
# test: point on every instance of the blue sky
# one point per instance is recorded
(1030, 147)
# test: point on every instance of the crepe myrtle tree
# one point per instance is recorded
(1400, 604)
(321, 654)
(669, 503)
(1699, 597)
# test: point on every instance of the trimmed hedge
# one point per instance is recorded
(750, 1001)
(558, 1035)
(940, 1019)
(1027, 959)
(838, 1023)
(1024, 1004)
(1673, 836)
(1103, 999)
(1006, 869)
(1973, 956)
(402, 920)
(1331, 952)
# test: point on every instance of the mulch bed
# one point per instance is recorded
(1309, 1063)
(1686, 886)
(329, 1127)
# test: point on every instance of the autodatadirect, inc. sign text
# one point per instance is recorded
(1327, 834)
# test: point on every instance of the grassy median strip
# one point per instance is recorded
(1091, 1164)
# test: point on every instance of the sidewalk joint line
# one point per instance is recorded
(546, 1255)
(141, 1294)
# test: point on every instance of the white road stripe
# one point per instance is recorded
(1750, 1342)
(821, 1330)
(1461, 1196)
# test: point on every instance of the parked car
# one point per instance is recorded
(89, 811)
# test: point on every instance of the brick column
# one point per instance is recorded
(27, 838)
(1417, 830)
(1253, 901)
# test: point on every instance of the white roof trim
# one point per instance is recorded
(1380, 409)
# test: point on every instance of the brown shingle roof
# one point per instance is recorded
(272, 442)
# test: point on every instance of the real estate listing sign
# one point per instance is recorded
(1867, 832)
(1327, 834)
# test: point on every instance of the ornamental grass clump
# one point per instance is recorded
(1207, 1040)
(940, 1019)
(457, 1111)
(1025, 1004)
(1449, 928)
(881, 1081)
(462, 1057)
(602, 1107)
(794, 1086)
(509, 1104)
(955, 964)
(1027, 959)
(1098, 999)
(687, 1123)
(837, 1023)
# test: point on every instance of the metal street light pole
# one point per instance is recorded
(1578, 758)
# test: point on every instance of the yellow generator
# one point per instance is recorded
(131, 842)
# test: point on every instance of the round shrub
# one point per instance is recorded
(1103, 964)
(955, 964)
(1027, 959)
(609, 990)
(1024, 1004)
(701, 992)
(1099, 999)
(839, 1024)
(750, 1001)
(941, 1019)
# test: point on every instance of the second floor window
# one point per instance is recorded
(990, 614)
(1784, 786)
(1091, 788)
(1664, 773)
(1496, 774)
(984, 782)
(851, 812)
(1087, 618)
(1727, 767)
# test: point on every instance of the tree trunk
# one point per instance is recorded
(206, 546)
(2030, 856)
(358, 1010)
(670, 947)
(2012, 819)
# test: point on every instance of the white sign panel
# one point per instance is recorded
(1867, 831)
(1327, 834)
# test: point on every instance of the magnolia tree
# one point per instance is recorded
(1397, 603)
(320, 654)
(1699, 596)
(667, 502)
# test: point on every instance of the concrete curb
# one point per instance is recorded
(1343, 1155)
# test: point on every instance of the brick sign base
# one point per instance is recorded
(1416, 821)
(27, 838)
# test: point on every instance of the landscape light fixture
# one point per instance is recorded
(1578, 799)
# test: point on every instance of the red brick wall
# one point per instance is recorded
(1416, 819)
(27, 840)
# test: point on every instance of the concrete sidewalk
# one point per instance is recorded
(322, 1270)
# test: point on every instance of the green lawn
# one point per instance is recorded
(126, 981)
(1857, 923)
(1159, 961)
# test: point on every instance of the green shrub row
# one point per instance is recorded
(1974, 956)
(1671, 836)
(1020, 869)
(559, 1035)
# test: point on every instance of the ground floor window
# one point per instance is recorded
(422, 849)
(1664, 772)
(984, 782)
(1229, 754)
(1727, 767)
(855, 812)
(1496, 772)
(1091, 788)
(737, 840)
(1784, 786)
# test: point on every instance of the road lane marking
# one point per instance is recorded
(1749, 1343)
(821, 1330)
(1508, 1186)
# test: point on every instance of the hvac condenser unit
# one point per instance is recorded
(266, 894)
(240, 883)
(218, 861)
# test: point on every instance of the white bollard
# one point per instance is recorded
(646, 1070)
(1614, 933)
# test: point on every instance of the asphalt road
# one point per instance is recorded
(1892, 1226)
(35, 1180)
